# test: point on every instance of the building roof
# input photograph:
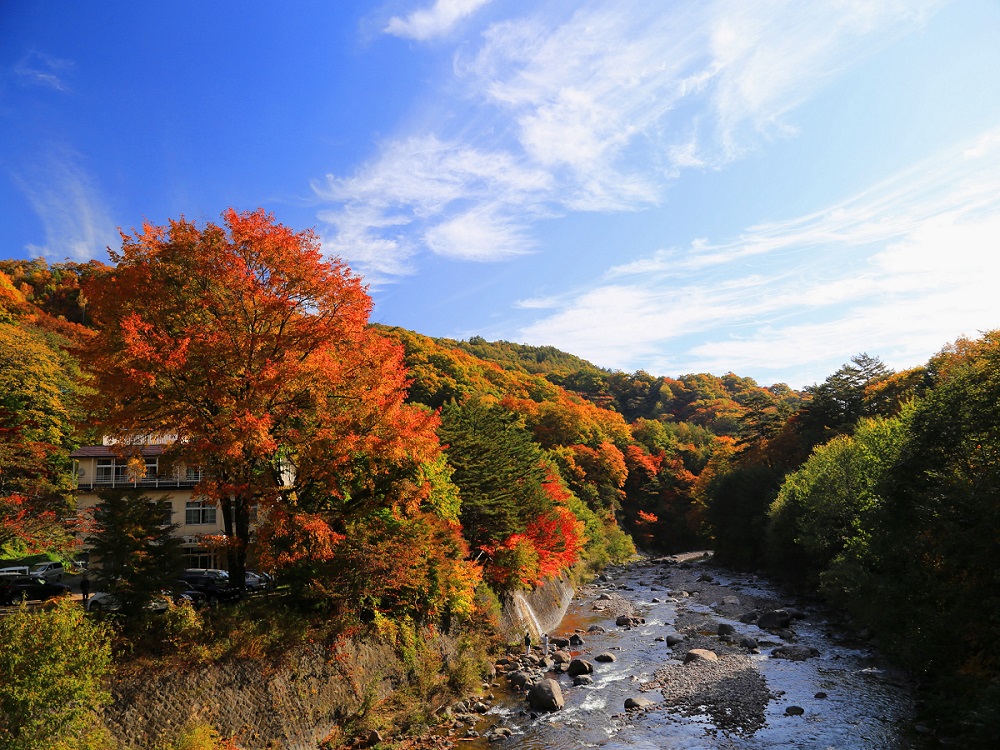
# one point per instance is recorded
(106, 451)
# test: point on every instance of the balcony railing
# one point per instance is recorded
(112, 482)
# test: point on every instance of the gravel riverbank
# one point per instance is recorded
(674, 652)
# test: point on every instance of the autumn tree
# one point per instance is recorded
(252, 351)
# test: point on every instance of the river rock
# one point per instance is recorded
(794, 711)
(518, 679)
(640, 702)
(580, 666)
(750, 644)
(498, 734)
(732, 601)
(606, 656)
(629, 621)
(575, 640)
(700, 654)
(596, 629)
(559, 642)
(794, 653)
(583, 679)
(749, 617)
(774, 619)
(561, 657)
(674, 639)
(546, 695)
(725, 629)
(604, 597)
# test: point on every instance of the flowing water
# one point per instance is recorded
(865, 706)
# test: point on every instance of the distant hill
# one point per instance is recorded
(536, 360)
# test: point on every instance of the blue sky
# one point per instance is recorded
(766, 188)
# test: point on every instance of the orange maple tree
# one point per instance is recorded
(252, 353)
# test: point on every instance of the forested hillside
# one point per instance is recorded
(433, 476)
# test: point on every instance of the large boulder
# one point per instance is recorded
(579, 666)
(561, 657)
(606, 656)
(699, 655)
(674, 639)
(559, 642)
(575, 640)
(546, 695)
(774, 619)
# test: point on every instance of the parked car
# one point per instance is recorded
(258, 581)
(215, 587)
(182, 590)
(14, 570)
(104, 601)
(24, 588)
(50, 571)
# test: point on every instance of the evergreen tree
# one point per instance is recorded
(136, 548)
(498, 470)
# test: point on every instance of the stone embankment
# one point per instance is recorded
(298, 703)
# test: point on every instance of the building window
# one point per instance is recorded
(110, 471)
(116, 471)
(198, 513)
(199, 557)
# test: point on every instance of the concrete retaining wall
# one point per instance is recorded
(298, 703)
(537, 611)
(295, 705)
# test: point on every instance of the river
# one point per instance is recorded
(849, 699)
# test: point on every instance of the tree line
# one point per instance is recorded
(431, 475)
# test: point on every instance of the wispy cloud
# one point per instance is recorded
(76, 223)
(39, 69)
(453, 199)
(899, 270)
(592, 109)
(436, 20)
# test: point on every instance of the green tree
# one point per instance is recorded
(136, 547)
(839, 401)
(53, 662)
(498, 470)
(822, 507)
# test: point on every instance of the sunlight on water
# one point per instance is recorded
(862, 712)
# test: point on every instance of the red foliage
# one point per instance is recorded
(25, 526)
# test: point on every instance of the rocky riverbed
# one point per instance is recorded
(676, 653)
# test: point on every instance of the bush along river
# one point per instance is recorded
(676, 653)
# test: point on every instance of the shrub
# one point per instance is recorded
(52, 665)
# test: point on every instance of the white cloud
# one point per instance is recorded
(591, 109)
(455, 200)
(75, 220)
(899, 270)
(479, 236)
(436, 20)
(39, 69)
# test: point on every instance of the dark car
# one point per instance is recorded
(214, 587)
(23, 588)
(182, 590)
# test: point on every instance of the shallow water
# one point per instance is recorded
(867, 707)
